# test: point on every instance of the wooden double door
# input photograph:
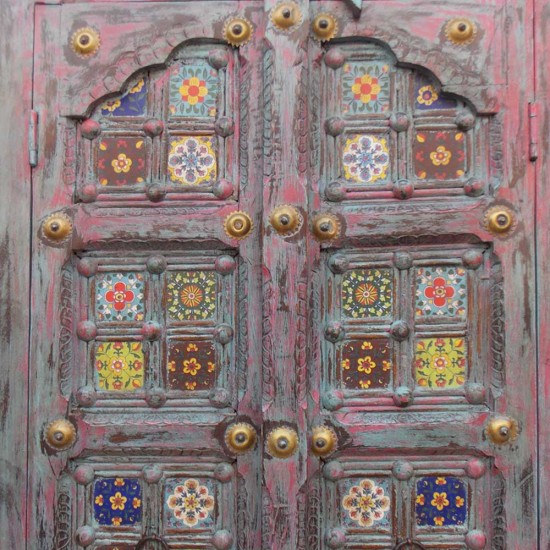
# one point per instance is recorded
(282, 276)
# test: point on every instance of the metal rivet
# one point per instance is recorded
(324, 27)
(238, 225)
(501, 430)
(460, 32)
(286, 220)
(240, 437)
(282, 442)
(323, 441)
(60, 434)
(499, 220)
(326, 227)
(57, 228)
(85, 42)
(237, 31)
(286, 16)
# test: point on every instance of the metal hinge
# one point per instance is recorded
(533, 131)
(33, 138)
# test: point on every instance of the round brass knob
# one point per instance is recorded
(460, 31)
(499, 220)
(238, 225)
(324, 27)
(501, 430)
(85, 42)
(282, 442)
(286, 220)
(286, 15)
(57, 227)
(240, 437)
(323, 441)
(60, 434)
(237, 31)
(326, 227)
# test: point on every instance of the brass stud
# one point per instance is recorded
(60, 434)
(286, 220)
(237, 31)
(499, 220)
(501, 430)
(460, 32)
(324, 27)
(57, 227)
(326, 227)
(238, 225)
(286, 15)
(240, 437)
(323, 441)
(282, 442)
(85, 42)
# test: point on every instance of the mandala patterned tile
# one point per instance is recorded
(440, 362)
(193, 91)
(191, 365)
(121, 161)
(120, 297)
(189, 504)
(439, 155)
(441, 502)
(366, 364)
(365, 158)
(367, 293)
(132, 103)
(365, 88)
(192, 160)
(192, 295)
(428, 98)
(366, 504)
(441, 291)
(117, 501)
(119, 366)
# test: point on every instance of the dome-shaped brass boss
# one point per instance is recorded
(326, 227)
(286, 220)
(237, 31)
(460, 31)
(240, 437)
(323, 441)
(238, 225)
(57, 227)
(85, 42)
(282, 442)
(60, 434)
(499, 220)
(501, 430)
(324, 27)
(286, 15)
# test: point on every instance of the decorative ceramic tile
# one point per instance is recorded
(192, 160)
(192, 295)
(132, 103)
(120, 297)
(121, 160)
(365, 87)
(441, 501)
(366, 504)
(365, 158)
(439, 155)
(440, 362)
(366, 364)
(367, 293)
(117, 501)
(441, 291)
(189, 503)
(119, 366)
(191, 365)
(193, 91)
(427, 97)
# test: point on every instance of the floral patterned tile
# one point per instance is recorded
(119, 366)
(441, 291)
(440, 362)
(427, 97)
(366, 364)
(132, 103)
(439, 155)
(365, 158)
(193, 91)
(441, 502)
(191, 295)
(189, 504)
(117, 501)
(191, 365)
(367, 293)
(120, 297)
(365, 87)
(366, 504)
(121, 161)
(192, 160)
